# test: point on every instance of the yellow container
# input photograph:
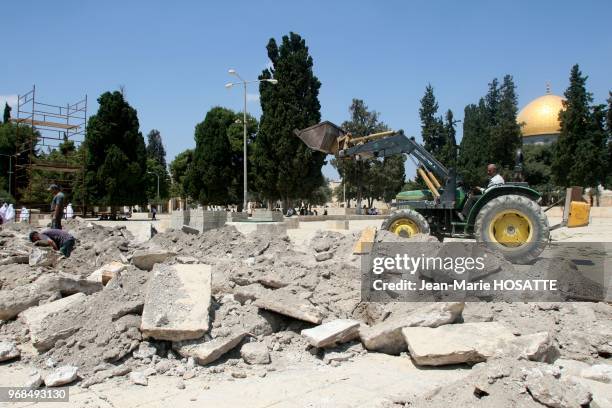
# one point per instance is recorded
(579, 214)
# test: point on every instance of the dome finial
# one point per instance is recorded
(548, 88)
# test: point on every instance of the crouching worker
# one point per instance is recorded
(59, 240)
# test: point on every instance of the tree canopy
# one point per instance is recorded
(285, 168)
(580, 153)
(116, 154)
(178, 170)
(155, 147)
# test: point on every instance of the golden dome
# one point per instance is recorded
(541, 116)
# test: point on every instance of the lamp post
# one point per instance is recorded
(244, 125)
(10, 171)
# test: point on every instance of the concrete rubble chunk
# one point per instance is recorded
(255, 353)
(138, 378)
(289, 305)
(598, 372)
(145, 350)
(145, 258)
(186, 259)
(177, 302)
(323, 256)
(125, 308)
(455, 343)
(69, 284)
(8, 351)
(570, 367)
(250, 292)
(34, 381)
(205, 352)
(43, 257)
(386, 337)
(552, 392)
(534, 347)
(107, 272)
(15, 301)
(36, 319)
(332, 333)
(336, 356)
(61, 376)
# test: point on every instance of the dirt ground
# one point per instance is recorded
(298, 375)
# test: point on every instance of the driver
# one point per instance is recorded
(494, 180)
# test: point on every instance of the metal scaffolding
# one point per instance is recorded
(50, 138)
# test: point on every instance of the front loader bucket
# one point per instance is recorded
(322, 137)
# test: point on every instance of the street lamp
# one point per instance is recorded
(244, 124)
(10, 171)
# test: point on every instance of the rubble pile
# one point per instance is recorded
(222, 305)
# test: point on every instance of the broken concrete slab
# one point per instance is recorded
(69, 284)
(15, 301)
(250, 292)
(323, 256)
(177, 302)
(8, 351)
(43, 257)
(36, 319)
(255, 353)
(289, 305)
(34, 381)
(62, 376)
(455, 343)
(598, 372)
(107, 272)
(138, 378)
(145, 258)
(205, 352)
(332, 333)
(124, 308)
(570, 367)
(552, 392)
(535, 347)
(386, 337)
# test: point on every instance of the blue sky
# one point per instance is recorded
(172, 57)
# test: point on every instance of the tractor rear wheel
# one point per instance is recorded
(515, 226)
(406, 223)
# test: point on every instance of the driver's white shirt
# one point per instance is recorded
(495, 180)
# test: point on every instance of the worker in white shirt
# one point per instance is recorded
(494, 180)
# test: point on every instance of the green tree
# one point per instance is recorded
(7, 113)
(579, 157)
(448, 152)
(608, 180)
(284, 167)
(474, 147)
(155, 169)
(115, 163)
(209, 178)
(505, 132)
(431, 125)
(373, 178)
(178, 170)
(235, 133)
(155, 147)
(537, 160)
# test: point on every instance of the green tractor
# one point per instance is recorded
(505, 217)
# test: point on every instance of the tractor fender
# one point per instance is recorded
(497, 191)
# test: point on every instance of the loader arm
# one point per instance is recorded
(394, 145)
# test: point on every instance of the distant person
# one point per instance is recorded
(10, 214)
(57, 206)
(154, 212)
(69, 211)
(57, 239)
(325, 211)
(3, 212)
(24, 215)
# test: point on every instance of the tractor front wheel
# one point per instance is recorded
(406, 223)
(515, 226)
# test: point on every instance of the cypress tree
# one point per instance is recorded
(448, 153)
(578, 152)
(474, 148)
(7, 113)
(284, 167)
(116, 153)
(505, 131)
(209, 177)
(431, 125)
(155, 147)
